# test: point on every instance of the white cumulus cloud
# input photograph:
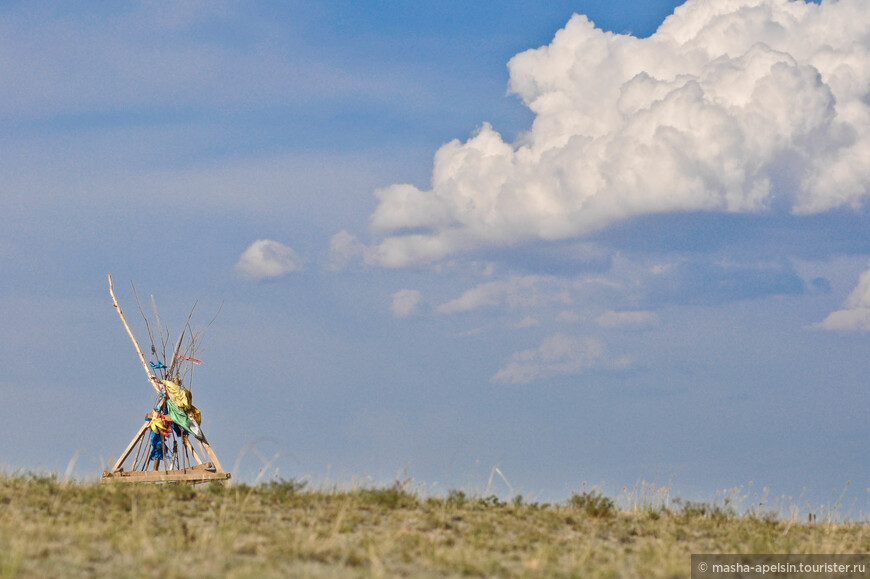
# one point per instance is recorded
(558, 355)
(267, 259)
(730, 106)
(855, 315)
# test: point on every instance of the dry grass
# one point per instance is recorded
(54, 529)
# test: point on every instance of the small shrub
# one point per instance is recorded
(283, 489)
(456, 498)
(490, 501)
(593, 503)
(182, 492)
(390, 498)
(215, 488)
(692, 509)
(48, 482)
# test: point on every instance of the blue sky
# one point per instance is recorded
(448, 238)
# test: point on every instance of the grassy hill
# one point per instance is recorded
(54, 529)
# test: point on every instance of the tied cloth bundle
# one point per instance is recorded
(181, 408)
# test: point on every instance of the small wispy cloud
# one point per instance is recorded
(513, 293)
(267, 259)
(638, 319)
(855, 315)
(527, 322)
(406, 302)
(344, 248)
(558, 355)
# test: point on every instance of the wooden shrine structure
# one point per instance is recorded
(162, 450)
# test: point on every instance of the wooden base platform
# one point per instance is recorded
(198, 474)
(140, 473)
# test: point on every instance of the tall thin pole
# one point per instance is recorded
(132, 337)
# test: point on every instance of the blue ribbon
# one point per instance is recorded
(156, 447)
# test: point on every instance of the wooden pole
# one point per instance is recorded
(132, 337)
(129, 448)
(211, 455)
(190, 447)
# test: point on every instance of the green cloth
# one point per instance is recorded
(177, 416)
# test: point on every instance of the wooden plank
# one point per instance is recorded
(203, 472)
(202, 468)
(166, 476)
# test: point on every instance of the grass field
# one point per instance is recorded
(50, 528)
